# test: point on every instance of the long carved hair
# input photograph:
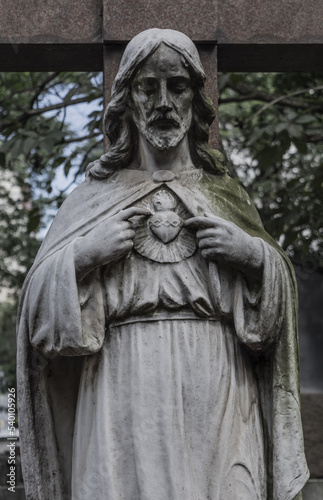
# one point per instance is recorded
(118, 124)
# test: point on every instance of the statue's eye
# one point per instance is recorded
(149, 85)
(178, 84)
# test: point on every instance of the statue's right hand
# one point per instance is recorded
(107, 242)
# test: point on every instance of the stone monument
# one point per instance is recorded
(157, 336)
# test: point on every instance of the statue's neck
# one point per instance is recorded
(176, 159)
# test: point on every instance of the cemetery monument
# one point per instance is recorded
(157, 339)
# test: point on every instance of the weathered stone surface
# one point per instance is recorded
(208, 55)
(112, 57)
(277, 21)
(268, 36)
(123, 19)
(50, 21)
(54, 35)
(225, 21)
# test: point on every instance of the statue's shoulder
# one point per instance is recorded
(227, 192)
(228, 186)
(84, 195)
(76, 210)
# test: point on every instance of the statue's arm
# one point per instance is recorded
(259, 307)
(65, 299)
(225, 242)
(107, 242)
(249, 279)
(64, 316)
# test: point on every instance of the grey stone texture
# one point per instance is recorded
(51, 21)
(266, 36)
(122, 22)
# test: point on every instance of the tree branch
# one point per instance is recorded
(22, 119)
(41, 87)
(248, 94)
(52, 107)
(78, 139)
(283, 98)
(241, 98)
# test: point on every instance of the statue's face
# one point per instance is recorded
(162, 99)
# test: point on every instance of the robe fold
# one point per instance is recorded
(62, 321)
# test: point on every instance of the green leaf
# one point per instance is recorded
(58, 161)
(305, 119)
(28, 145)
(34, 220)
(280, 127)
(17, 147)
(295, 131)
(67, 167)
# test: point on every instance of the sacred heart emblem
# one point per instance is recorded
(163, 237)
(165, 224)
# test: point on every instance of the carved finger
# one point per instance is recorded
(125, 225)
(129, 234)
(125, 246)
(132, 211)
(207, 253)
(128, 245)
(208, 243)
(198, 222)
(206, 233)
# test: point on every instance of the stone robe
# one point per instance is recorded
(171, 379)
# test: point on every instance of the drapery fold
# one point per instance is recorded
(60, 322)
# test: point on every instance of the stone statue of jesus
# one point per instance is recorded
(157, 344)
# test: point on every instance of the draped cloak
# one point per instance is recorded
(61, 320)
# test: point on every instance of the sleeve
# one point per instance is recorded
(255, 308)
(64, 317)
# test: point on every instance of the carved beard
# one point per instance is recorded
(163, 138)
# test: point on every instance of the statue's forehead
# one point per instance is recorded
(165, 61)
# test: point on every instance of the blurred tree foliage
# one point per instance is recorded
(37, 140)
(270, 127)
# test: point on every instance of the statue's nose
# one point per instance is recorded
(163, 103)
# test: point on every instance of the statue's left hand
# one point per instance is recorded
(224, 241)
